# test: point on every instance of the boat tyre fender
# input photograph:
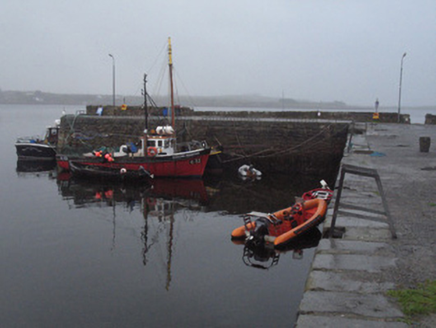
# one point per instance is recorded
(151, 151)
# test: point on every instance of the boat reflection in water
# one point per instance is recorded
(158, 200)
(263, 256)
(183, 193)
(35, 166)
(26, 168)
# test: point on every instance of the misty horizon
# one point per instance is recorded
(192, 101)
(314, 51)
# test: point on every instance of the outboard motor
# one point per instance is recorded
(257, 235)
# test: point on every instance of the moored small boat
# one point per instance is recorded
(79, 169)
(282, 227)
(38, 148)
(248, 171)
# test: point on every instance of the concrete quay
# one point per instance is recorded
(349, 277)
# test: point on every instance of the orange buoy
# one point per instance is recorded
(98, 153)
(108, 157)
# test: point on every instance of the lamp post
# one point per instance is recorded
(113, 79)
(399, 92)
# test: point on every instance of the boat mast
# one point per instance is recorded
(145, 103)
(145, 141)
(170, 64)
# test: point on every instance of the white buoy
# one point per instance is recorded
(324, 184)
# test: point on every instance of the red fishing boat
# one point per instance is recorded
(157, 151)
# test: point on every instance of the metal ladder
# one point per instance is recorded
(367, 172)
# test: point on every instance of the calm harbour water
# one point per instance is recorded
(83, 253)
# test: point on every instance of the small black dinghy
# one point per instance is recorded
(79, 169)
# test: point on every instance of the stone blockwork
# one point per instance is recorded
(430, 119)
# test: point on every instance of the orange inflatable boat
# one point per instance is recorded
(283, 226)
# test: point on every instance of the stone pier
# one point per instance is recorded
(350, 275)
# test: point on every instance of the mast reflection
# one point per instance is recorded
(158, 200)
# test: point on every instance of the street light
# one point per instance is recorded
(113, 79)
(399, 93)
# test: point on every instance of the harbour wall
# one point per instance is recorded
(138, 111)
(280, 142)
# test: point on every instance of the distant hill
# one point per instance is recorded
(256, 101)
(44, 98)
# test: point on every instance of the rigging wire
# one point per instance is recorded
(191, 101)
(159, 56)
(150, 69)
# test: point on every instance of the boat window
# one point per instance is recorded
(159, 143)
(167, 143)
(151, 143)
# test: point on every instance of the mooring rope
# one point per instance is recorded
(282, 152)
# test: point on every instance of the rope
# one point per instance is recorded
(282, 152)
(237, 139)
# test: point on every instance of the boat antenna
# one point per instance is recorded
(170, 65)
(145, 103)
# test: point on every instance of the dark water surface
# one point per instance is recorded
(84, 253)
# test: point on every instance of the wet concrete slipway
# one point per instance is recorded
(349, 277)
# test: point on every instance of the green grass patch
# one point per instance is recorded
(419, 301)
(432, 204)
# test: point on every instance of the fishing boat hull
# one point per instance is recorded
(189, 164)
(63, 161)
(35, 151)
(282, 227)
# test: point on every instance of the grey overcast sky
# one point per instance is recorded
(318, 50)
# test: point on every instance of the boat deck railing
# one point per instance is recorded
(31, 139)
